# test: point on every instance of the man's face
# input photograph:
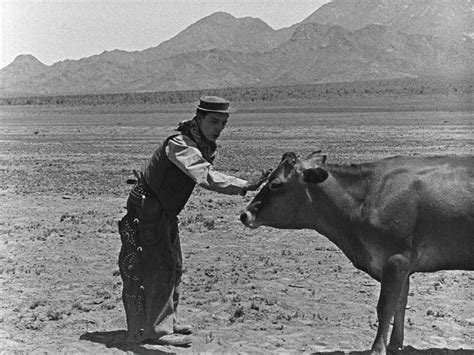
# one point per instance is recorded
(212, 124)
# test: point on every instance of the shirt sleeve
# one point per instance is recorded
(183, 152)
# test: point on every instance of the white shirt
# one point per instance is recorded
(183, 152)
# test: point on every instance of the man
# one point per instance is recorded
(150, 260)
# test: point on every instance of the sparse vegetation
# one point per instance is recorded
(407, 86)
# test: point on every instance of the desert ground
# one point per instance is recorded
(63, 190)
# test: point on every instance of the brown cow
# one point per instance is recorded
(391, 218)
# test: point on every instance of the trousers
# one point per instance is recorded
(150, 265)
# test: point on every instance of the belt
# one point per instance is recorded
(140, 190)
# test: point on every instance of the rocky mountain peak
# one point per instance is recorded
(27, 59)
(219, 30)
(446, 19)
(23, 66)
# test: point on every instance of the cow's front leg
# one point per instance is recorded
(394, 275)
(396, 339)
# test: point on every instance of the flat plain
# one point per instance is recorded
(62, 179)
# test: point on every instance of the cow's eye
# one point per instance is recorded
(275, 186)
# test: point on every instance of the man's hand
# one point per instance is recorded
(254, 184)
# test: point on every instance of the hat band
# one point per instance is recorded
(213, 106)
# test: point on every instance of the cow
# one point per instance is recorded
(391, 218)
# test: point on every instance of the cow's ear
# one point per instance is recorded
(315, 175)
(290, 157)
(316, 157)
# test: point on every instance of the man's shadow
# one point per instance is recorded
(118, 339)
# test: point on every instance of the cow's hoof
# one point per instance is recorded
(378, 351)
(394, 348)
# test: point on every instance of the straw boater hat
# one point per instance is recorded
(214, 104)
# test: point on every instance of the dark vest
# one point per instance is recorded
(170, 185)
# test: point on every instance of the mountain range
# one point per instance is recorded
(342, 41)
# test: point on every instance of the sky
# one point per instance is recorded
(55, 30)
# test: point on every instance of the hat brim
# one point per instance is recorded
(229, 110)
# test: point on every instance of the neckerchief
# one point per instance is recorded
(191, 129)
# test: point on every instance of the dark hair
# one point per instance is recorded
(201, 113)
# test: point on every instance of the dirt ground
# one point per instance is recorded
(62, 173)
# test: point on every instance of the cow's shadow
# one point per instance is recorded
(408, 350)
(117, 339)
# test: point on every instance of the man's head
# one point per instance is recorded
(212, 114)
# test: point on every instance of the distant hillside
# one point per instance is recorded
(343, 41)
(444, 19)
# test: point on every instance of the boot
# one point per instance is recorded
(182, 328)
(171, 339)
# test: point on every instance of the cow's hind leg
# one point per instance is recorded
(396, 339)
(394, 275)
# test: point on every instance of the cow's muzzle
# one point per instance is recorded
(248, 219)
